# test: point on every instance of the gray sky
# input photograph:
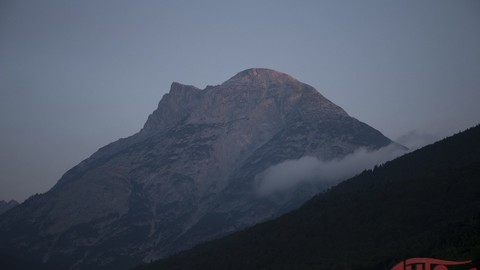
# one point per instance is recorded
(76, 75)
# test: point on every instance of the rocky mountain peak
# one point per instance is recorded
(172, 108)
(262, 75)
(188, 176)
(250, 93)
(181, 89)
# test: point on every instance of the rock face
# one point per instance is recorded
(4, 206)
(186, 177)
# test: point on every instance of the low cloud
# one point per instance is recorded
(289, 174)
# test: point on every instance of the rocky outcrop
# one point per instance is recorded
(186, 177)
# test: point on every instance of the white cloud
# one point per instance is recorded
(289, 174)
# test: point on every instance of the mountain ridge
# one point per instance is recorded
(187, 176)
(5, 206)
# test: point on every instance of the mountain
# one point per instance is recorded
(188, 176)
(425, 204)
(4, 206)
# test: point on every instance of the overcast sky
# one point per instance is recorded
(76, 75)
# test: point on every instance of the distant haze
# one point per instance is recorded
(76, 75)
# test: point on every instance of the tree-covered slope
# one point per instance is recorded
(423, 204)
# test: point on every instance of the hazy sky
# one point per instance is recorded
(76, 75)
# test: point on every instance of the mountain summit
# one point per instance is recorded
(261, 93)
(186, 177)
(262, 76)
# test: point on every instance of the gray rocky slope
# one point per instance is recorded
(186, 177)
